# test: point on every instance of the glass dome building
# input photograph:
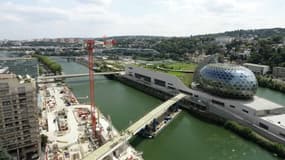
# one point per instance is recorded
(227, 80)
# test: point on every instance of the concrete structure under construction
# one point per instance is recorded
(19, 131)
(262, 115)
(257, 69)
(67, 125)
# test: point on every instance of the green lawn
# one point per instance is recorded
(180, 66)
(186, 78)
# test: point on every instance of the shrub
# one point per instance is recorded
(251, 135)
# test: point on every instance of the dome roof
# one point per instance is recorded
(228, 80)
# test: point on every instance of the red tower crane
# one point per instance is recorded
(90, 48)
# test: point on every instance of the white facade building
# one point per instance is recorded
(257, 68)
(259, 113)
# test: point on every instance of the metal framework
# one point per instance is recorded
(90, 48)
(228, 80)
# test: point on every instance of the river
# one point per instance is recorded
(186, 138)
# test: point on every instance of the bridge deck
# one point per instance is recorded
(155, 113)
(77, 75)
(116, 142)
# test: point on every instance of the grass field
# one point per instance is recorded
(186, 78)
(180, 66)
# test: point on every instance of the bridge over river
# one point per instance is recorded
(132, 130)
(77, 75)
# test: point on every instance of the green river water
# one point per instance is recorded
(186, 138)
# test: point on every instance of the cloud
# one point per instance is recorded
(96, 2)
(24, 13)
(69, 18)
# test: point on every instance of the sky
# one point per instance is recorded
(29, 19)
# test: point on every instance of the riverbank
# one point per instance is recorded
(187, 137)
(203, 114)
(270, 83)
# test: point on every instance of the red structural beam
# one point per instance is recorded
(90, 49)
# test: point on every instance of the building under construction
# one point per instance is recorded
(19, 131)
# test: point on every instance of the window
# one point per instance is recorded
(282, 134)
(159, 82)
(22, 95)
(170, 87)
(5, 103)
(21, 89)
(263, 126)
(196, 96)
(130, 67)
(245, 111)
(185, 92)
(232, 106)
(218, 102)
(145, 78)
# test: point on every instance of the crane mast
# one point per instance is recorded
(90, 49)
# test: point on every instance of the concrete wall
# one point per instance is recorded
(171, 81)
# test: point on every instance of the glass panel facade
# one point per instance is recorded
(228, 80)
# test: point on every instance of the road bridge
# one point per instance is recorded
(133, 129)
(77, 75)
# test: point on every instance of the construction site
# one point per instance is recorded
(75, 130)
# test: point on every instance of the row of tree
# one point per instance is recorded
(268, 82)
(249, 134)
(52, 65)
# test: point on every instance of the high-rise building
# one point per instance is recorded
(19, 128)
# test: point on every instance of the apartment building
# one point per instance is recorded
(19, 128)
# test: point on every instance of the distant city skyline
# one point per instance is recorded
(31, 19)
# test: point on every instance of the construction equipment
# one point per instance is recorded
(90, 46)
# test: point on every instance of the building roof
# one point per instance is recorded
(279, 67)
(258, 104)
(278, 120)
(256, 65)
